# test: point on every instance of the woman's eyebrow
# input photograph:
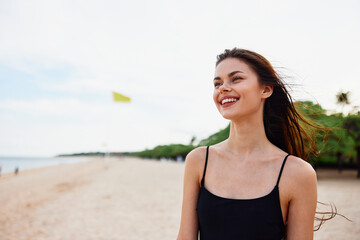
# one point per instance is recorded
(229, 75)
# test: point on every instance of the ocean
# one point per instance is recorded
(8, 164)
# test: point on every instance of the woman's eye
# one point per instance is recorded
(217, 84)
(237, 78)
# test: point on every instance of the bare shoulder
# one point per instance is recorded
(299, 174)
(195, 160)
(299, 168)
(196, 156)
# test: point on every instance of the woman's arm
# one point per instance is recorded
(303, 200)
(189, 223)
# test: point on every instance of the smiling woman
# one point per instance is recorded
(230, 85)
(249, 192)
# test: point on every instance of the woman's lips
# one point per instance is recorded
(228, 101)
(227, 104)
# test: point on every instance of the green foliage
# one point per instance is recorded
(216, 138)
(352, 125)
(332, 138)
(337, 135)
(310, 110)
(165, 151)
(171, 151)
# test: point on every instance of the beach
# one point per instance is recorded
(130, 199)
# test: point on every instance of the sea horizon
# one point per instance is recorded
(8, 164)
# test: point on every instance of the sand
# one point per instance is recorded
(129, 198)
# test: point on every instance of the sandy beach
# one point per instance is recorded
(130, 199)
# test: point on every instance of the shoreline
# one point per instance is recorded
(28, 171)
(9, 164)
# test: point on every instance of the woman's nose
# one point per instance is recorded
(225, 88)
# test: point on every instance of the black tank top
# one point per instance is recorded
(240, 219)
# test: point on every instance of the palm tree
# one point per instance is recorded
(351, 124)
(342, 98)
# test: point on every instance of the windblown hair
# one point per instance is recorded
(281, 119)
(284, 126)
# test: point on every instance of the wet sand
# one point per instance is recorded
(129, 199)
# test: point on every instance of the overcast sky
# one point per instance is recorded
(60, 60)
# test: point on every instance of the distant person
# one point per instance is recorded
(16, 170)
(0, 171)
(179, 158)
(255, 184)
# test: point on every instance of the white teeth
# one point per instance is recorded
(228, 100)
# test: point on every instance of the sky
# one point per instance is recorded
(61, 60)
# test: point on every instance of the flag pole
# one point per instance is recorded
(117, 97)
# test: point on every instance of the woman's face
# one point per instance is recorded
(237, 92)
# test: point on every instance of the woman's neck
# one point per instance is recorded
(247, 137)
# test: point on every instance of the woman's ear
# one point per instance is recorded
(267, 91)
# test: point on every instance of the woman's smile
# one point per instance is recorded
(228, 101)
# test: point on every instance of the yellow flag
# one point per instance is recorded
(120, 98)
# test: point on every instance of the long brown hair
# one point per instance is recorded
(284, 126)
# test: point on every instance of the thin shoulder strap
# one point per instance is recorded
(282, 167)
(206, 160)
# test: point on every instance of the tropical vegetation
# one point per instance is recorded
(337, 138)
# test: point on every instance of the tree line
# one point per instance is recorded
(337, 138)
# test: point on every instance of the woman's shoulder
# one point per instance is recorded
(299, 168)
(195, 161)
(298, 174)
(196, 156)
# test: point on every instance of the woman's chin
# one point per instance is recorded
(228, 115)
(235, 115)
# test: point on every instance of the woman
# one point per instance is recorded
(253, 185)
